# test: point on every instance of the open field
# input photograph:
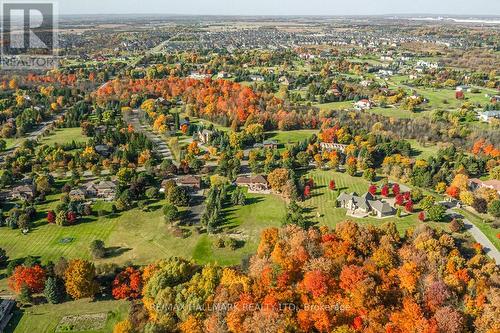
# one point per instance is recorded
(285, 137)
(396, 112)
(64, 135)
(46, 317)
(143, 237)
(421, 151)
(334, 106)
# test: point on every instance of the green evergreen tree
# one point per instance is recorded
(52, 291)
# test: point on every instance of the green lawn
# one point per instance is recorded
(486, 228)
(334, 105)
(285, 137)
(423, 151)
(11, 142)
(323, 200)
(46, 317)
(142, 237)
(396, 112)
(64, 135)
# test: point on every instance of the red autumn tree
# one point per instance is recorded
(71, 217)
(373, 189)
(409, 206)
(396, 189)
(385, 191)
(421, 216)
(357, 323)
(31, 277)
(407, 196)
(332, 185)
(307, 191)
(400, 199)
(51, 217)
(127, 284)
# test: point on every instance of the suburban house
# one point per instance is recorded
(22, 192)
(192, 182)
(365, 205)
(257, 78)
(330, 146)
(271, 144)
(199, 76)
(223, 75)
(256, 184)
(77, 194)
(488, 116)
(6, 308)
(204, 136)
(105, 189)
(363, 104)
(475, 184)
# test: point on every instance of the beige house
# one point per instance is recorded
(256, 184)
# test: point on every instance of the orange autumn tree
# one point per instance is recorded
(31, 277)
(127, 284)
(348, 279)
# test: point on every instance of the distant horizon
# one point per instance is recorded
(284, 15)
(280, 7)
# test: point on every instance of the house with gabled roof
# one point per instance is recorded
(365, 205)
(255, 184)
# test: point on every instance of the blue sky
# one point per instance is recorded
(281, 7)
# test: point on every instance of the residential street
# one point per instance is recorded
(480, 237)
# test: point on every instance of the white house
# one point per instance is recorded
(363, 104)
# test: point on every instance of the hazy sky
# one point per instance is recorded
(280, 7)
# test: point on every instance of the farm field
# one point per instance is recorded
(46, 317)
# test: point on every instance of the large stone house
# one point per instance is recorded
(257, 184)
(105, 189)
(365, 205)
(22, 192)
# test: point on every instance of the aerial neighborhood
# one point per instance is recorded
(254, 174)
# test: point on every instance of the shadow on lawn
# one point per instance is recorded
(116, 251)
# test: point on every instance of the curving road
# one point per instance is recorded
(490, 249)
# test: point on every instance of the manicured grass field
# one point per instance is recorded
(397, 112)
(285, 137)
(323, 201)
(46, 317)
(335, 105)
(423, 152)
(142, 237)
(64, 135)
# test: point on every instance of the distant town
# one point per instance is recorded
(254, 174)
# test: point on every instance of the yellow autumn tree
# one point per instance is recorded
(80, 279)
